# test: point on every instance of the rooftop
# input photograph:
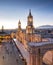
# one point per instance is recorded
(4, 33)
(40, 43)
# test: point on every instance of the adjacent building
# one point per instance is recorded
(4, 36)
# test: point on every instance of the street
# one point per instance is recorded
(9, 55)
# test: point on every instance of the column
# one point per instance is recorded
(32, 59)
(37, 57)
(41, 59)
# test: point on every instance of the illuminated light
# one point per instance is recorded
(30, 19)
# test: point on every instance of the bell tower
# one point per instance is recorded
(19, 25)
(29, 27)
(2, 28)
(30, 19)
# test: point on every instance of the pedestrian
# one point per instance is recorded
(17, 60)
(3, 57)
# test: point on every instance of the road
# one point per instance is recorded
(9, 55)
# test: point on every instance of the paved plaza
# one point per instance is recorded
(9, 55)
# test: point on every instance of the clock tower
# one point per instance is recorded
(29, 27)
(30, 19)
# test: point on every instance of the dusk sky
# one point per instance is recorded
(13, 10)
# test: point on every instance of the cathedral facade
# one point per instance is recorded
(27, 35)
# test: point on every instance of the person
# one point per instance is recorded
(17, 60)
(3, 57)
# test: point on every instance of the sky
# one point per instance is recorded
(11, 11)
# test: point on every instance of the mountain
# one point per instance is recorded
(45, 27)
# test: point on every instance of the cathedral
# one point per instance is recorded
(27, 35)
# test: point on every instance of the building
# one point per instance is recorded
(4, 36)
(28, 35)
(36, 45)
